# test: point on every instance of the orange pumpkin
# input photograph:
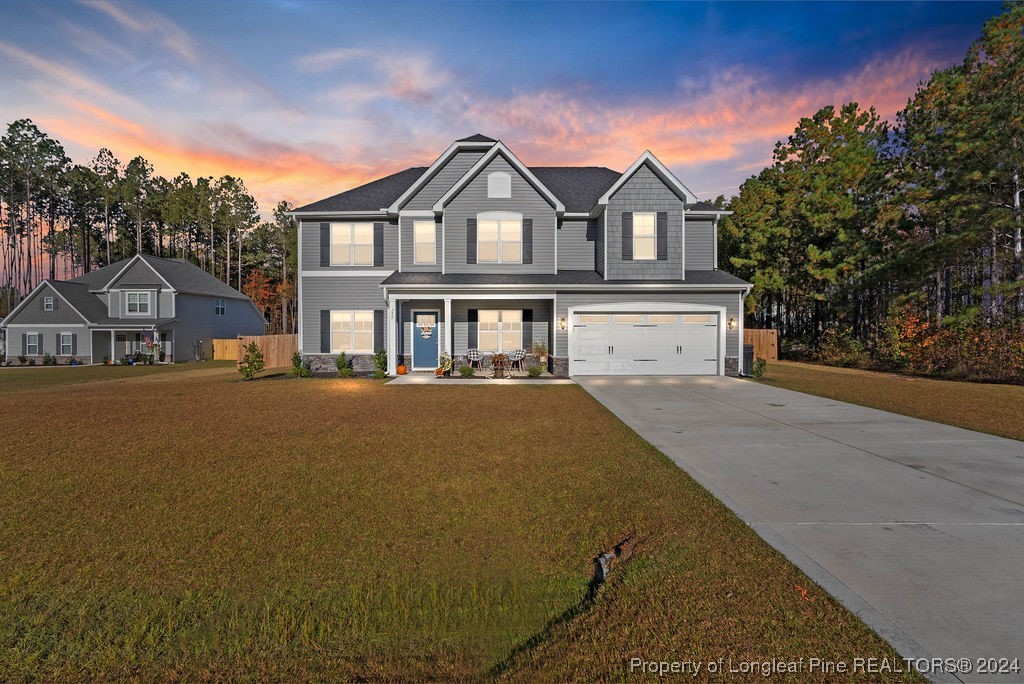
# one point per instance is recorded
(402, 370)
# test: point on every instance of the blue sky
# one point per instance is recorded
(305, 99)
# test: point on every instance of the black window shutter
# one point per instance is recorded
(54, 303)
(24, 344)
(57, 353)
(662, 232)
(527, 328)
(325, 244)
(471, 241)
(74, 344)
(473, 318)
(378, 329)
(627, 236)
(378, 244)
(325, 331)
(528, 241)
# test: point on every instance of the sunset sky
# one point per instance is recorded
(306, 99)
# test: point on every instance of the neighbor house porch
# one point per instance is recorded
(117, 342)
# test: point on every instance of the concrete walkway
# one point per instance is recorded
(917, 527)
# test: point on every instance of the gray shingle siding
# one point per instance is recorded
(445, 178)
(730, 300)
(644, 192)
(700, 244)
(473, 200)
(407, 238)
(32, 311)
(357, 293)
(310, 246)
(576, 239)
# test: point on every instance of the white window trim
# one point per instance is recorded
(127, 303)
(500, 332)
(71, 344)
(352, 331)
(433, 243)
(352, 244)
(220, 307)
(502, 191)
(653, 235)
(499, 216)
(47, 303)
(39, 344)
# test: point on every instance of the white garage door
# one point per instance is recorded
(642, 343)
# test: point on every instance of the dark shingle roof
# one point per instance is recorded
(577, 187)
(101, 276)
(477, 137)
(78, 295)
(562, 278)
(703, 206)
(184, 276)
(373, 196)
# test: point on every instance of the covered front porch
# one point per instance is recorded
(115, 343)
(424, 325)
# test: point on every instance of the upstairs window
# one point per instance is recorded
(499, 185)
(47, 303)
(138, 303)
(351, 244)
(645, 245)
(424, 242)
(219, 307)
(499, 238)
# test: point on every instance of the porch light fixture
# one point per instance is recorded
(732, 324)
(562, 323)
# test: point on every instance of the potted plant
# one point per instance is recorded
(445, 368)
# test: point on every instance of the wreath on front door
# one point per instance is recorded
(426, 331)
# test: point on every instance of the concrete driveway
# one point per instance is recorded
(917, 527)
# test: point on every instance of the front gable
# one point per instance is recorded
(441, 180)
(32, 310)
(512, 165)
(137, 273)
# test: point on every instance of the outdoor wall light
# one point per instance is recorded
(732, 324)
(562, 323)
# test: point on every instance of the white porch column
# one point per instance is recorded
(449, 329)
(113, 360)
(392, 346)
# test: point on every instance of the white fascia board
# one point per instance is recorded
(8, 318)
(713, 213)
(496, 149)
(660, 170)
(432, 170)
(340, 214)
(123, 269)
(153, 268)
(608, 287)
(347, 274)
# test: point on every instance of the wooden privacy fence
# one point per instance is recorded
(277, 349)
(766, 343)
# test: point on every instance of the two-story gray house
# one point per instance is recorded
(616, 273)
(112, 312)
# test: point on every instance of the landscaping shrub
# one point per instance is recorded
(22, 359)
(47, 359)
(467, 371)
(252, 361)
(760, 366)
(838, 347)
(380, 364)
(344, 369)
(534, 371)
(300, 368)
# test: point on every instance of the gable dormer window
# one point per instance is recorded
(499, 185)
(138, 303)
(645, 236)
(47, 303)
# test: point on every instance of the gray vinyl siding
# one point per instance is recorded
(576, 240)
(139, 275)
(599, 248)
(700, 245)
(346, 293)
(407, 239)
(443, 180)
(48, 338)
(32, 311)
(310, 247)
(404, 340)
(645, 192)
(473, 200)
(114, 304)
(196, 320)
(730, 300)
(460, 319)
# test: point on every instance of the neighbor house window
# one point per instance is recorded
(499, 185)
(499, 238)
(138, 302)
(219, 307)
(47, 303)
(65, 344)
(32, 344)
(351, 244)
(644, 237)
(352, 332)
(500, 331)
(424, 242)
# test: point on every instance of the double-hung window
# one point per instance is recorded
(500, 331)
(219, 307)
(138, 303)
(351, 244)
(424, 242)
(499, 238)
(47, 303)
(65, 344)
(32, 344)
(645, 239)
(352, 332)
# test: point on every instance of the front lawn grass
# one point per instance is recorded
(189, 526)
(985, 407)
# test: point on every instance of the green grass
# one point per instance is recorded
(185, 525)
(984, 407)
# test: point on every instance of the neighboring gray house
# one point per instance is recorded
(109, 312)
(617, 273)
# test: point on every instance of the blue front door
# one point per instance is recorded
(424, 340)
